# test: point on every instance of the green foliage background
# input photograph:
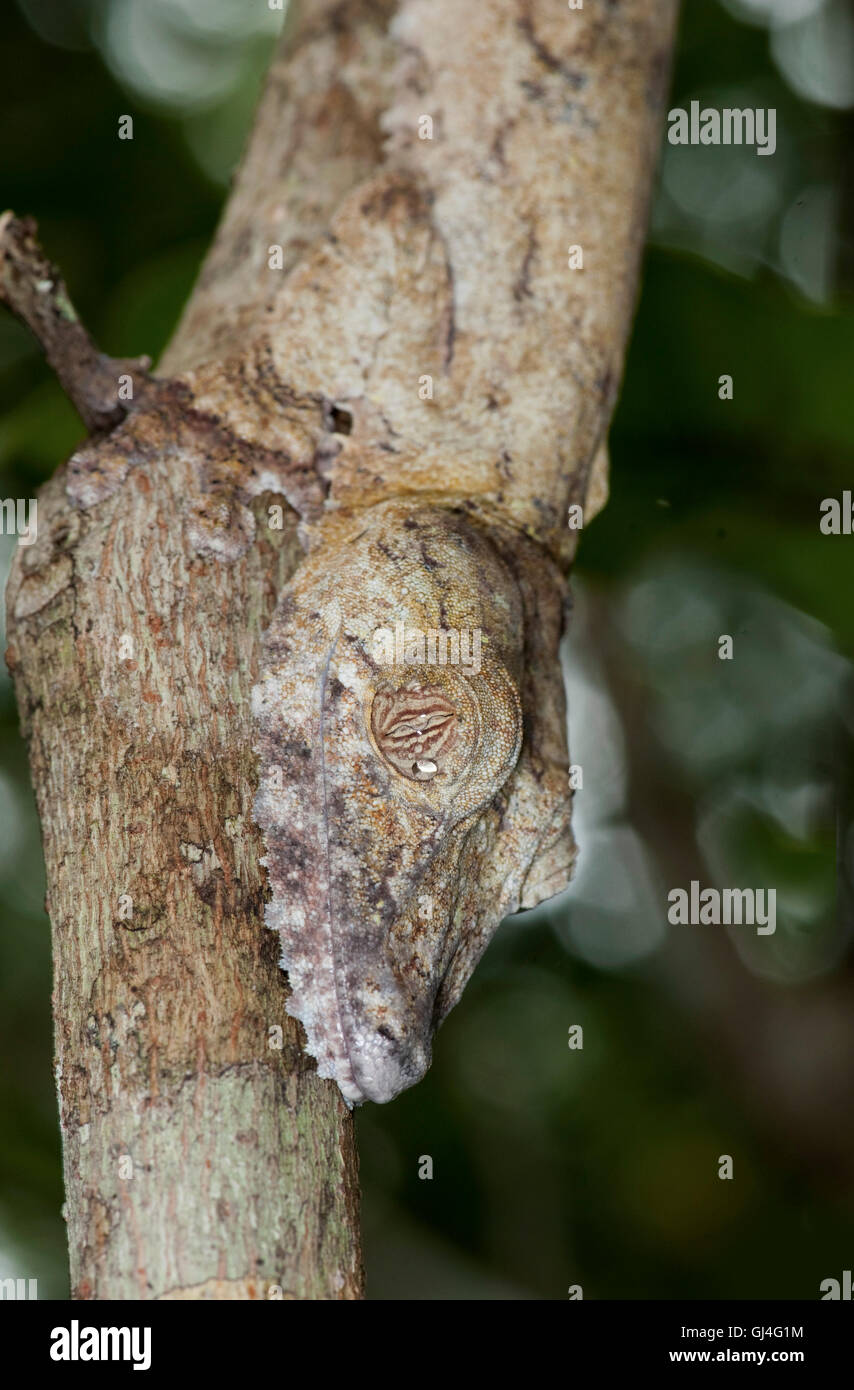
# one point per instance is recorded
(552, 1167)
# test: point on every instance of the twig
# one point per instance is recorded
(36, 294)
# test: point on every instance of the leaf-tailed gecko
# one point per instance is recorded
(413, 783)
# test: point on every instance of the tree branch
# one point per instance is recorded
(203, 1155)
(35, 292)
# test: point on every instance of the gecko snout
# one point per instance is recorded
(386, 1065)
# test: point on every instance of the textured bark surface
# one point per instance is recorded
(194, 1150)
(200, 1161)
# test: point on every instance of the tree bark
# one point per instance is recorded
(203, 1157)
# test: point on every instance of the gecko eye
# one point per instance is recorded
(415, 728)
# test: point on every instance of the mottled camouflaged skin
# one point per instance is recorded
(428, 384)
(386, 889)
(385, 886)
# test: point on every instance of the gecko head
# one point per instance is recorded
(407, 784)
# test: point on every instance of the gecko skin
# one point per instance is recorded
(407, 806)
(410, 803)
(412, 792)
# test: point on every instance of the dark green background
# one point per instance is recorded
(552, 1167)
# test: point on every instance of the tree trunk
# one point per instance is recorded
(203, 1156)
